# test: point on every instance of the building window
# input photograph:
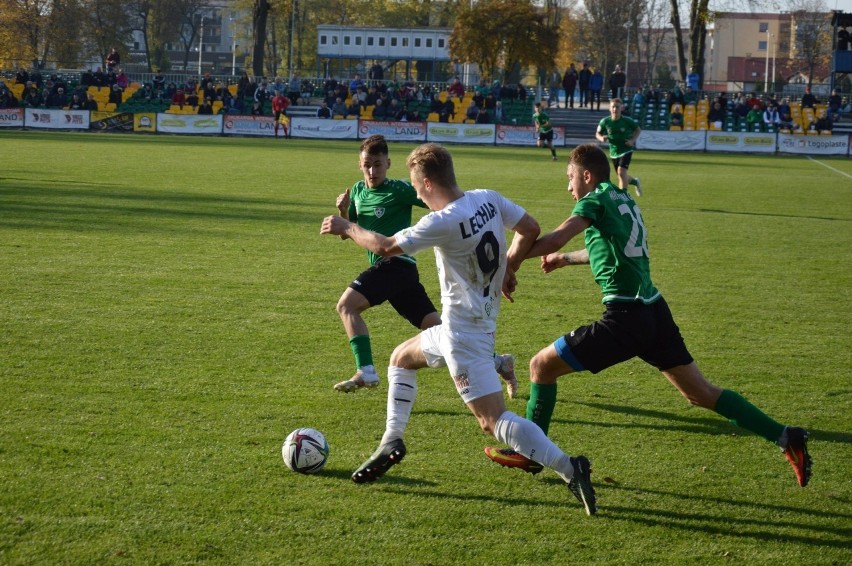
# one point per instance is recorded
(761, 45)
(381, 42)
(405, 42)
(763, 27)
(323, 40)
(346, 40)
(334, 40)
(441, 42)
(393, 41)
(358, 40)
(416, 42)
(370, 41)
(429, 42)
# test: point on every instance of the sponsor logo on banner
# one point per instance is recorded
(813, 144)
(461, 133)
(145, 122)
(393, 131)
(671, 141)
(11, 117)
(111, 121)
(248, 125)
(320, 128)
(50, 118)
(525, 135)
(189, 124)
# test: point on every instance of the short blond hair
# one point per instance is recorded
(433, 161)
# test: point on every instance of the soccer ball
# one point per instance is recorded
(305, 451)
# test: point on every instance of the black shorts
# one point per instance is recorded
(397, 281)
(546, 136)
(623, 161)
(626, 330)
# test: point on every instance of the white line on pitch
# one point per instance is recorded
(844, 173)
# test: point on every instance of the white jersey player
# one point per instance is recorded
(467, 231)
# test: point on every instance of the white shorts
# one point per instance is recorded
(468, 355)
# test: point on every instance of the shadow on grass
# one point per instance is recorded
(746, 213)
(734, 518)
(714, 424)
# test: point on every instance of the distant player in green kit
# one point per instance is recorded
(544, 129)
(384, 205)
(621, 132)
(637, 321)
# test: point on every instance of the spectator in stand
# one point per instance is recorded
(823, 123)
(354, 108)
(7, 97)
(741, 107)
(595, 87)
(372, 96)
(569, 83)
(113, 60)
(472, 112)
(259, 98)
(280, 103)
(222, 93)
(244, 87)
(146, 93)
(330, 85)
(771, 119)
(456, 88)
(843, 39)
(499, 116)
(617, 81)
(122, 80)
(754, 118)
(192, 98)
(87, 79)
(31, 97)
(785, 115)
(693, 79)
(522, 92)
(277, 87)
(553, 89)
(677, 97)
(716, 116)
(179, 98)
(583, 78)
(171, 90)
(377, 72)
(380, 111)
(447, 111)
(483, 117)
(690, 96)
(58, 99)
(355, 83)
(754, 102)
(99, 78)
(677, 116)
(206, 107)
(22, 76)
(808, 99)
(158, 84)
(339, 108)
(324, 111)
(76, 103)
(90, 103)
(835, 103)
(209, 90)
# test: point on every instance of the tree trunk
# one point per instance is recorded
(681, 60)
(259, 17)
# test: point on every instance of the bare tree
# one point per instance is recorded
(813, 34)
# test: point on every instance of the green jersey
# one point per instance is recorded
(385, 209)
(618, 132)
(617, 244)
(542, 120)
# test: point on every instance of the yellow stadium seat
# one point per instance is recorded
(109, 107)
(433, 117)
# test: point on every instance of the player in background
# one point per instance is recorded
(543, 129)
(384, 205)
(467, 232)
(637, 321)
(280, 103)
(621, 132)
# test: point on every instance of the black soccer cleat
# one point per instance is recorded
(380, 462)
(581, 484)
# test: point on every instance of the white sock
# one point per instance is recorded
(528, 439)
(402, 389)
(370, 372)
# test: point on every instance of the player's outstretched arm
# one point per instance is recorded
(372, 241)
(343, 201)
(551, 262)
(526, 232)
(554, 241)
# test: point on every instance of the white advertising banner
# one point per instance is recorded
(323, 128)
(813, 145)
(671, 141)
(460, 133)
(741, 142)
(248, 125)
(55, 119)
(11, 117)
(393, 131)
(189, 124)
(525, 135)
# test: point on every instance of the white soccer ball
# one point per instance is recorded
(305, 451)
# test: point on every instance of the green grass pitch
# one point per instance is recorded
(168, 318)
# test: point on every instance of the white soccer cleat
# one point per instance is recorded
(359, 380)
(638, 187)
(505, 366)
